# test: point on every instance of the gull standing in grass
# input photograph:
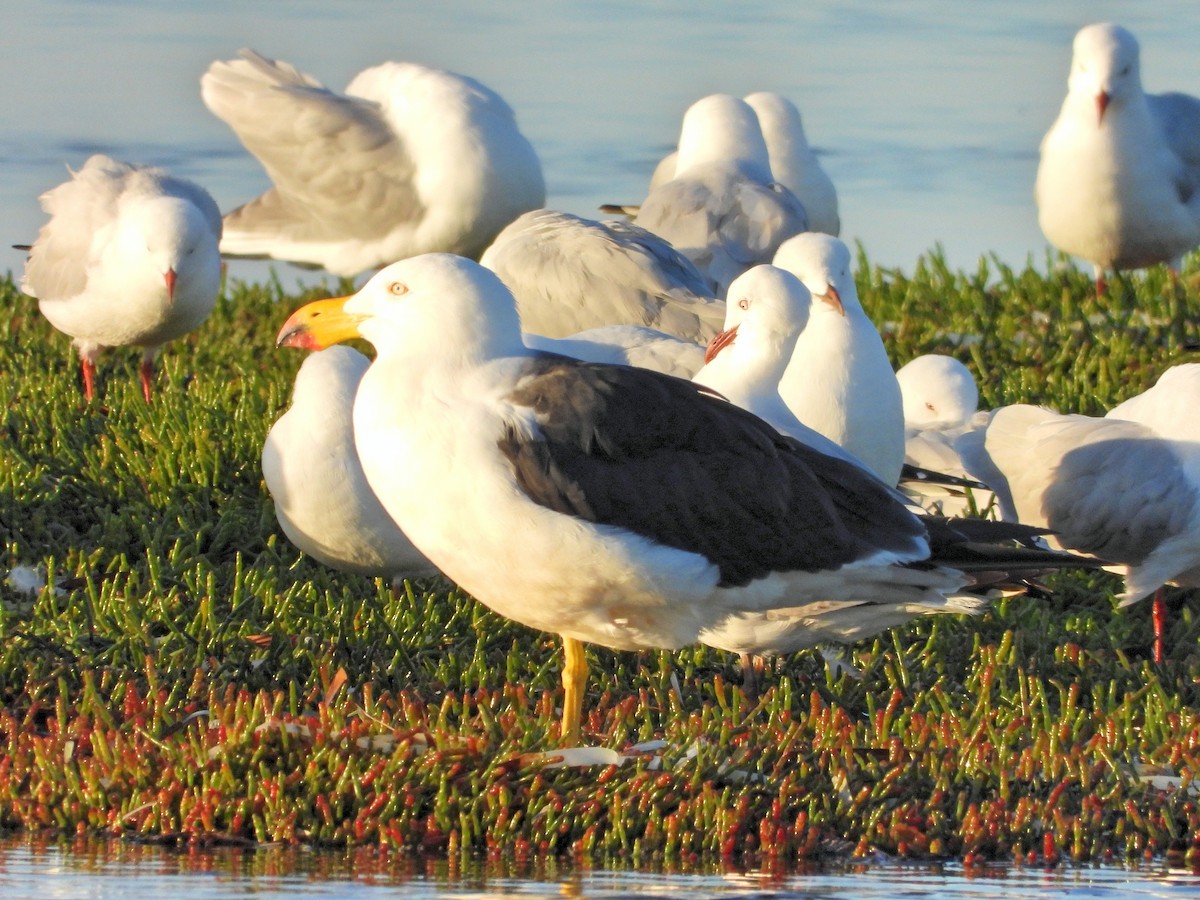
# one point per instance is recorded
(840, 381)
(571, 274)
(1119, 179)
(723, 208)
(603, 503)
(1124, 488)
(322, 499)
(768, 309)
(410, 159)
(128, 258)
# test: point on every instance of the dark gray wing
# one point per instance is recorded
(666, 459)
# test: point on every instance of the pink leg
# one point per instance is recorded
(147, 376)
(1101, 285)
(1159, 614)
(89, 378)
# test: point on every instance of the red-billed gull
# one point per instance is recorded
(128, 258)
(793, 163)
(941, 401)
(410, 159)
(1125, 488)
(840, 381)
(1119, 179)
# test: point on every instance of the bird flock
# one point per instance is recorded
(677, 425)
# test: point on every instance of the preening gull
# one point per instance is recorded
(607, 504)
(571, 274)
(840, 381)
(322, 499)
(1119, 179)
(723, 209)
(128, 258)
(410, 159)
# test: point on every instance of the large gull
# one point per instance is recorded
(571, 274)
(128, 258)
(410, 159)
(1124, 488)
(607, 504)
(840, 381)
(722, 209)
(310, 464)
(1119, 179)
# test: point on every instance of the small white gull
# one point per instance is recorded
(840, 381)
(410, 159)
(1124, 488)
(793, 163)
(1119, 179)
(571, 274)
(723, 208)
(941, 402)
(604, 503)
(310, 464)
(768, 309)
(128, 258)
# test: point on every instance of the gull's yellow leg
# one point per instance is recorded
(574, 678)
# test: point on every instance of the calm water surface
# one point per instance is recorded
(928, 115)
(30, 869)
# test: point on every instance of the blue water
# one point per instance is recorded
(116, 869)
(927, 115)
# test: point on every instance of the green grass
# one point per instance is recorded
(191, 677)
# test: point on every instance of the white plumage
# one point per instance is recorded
(1119, 179)
(128, 258)
(840, 381)
(310, 463)
(410, 159)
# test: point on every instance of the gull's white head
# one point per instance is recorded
(937, 390)
(722, 129)
(433, 306)
(766, 309)
(822, 262)
(1104, 67)
(172, 243)
(780, 122)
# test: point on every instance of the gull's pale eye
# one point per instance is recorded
(397, 288)
(743, 303)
